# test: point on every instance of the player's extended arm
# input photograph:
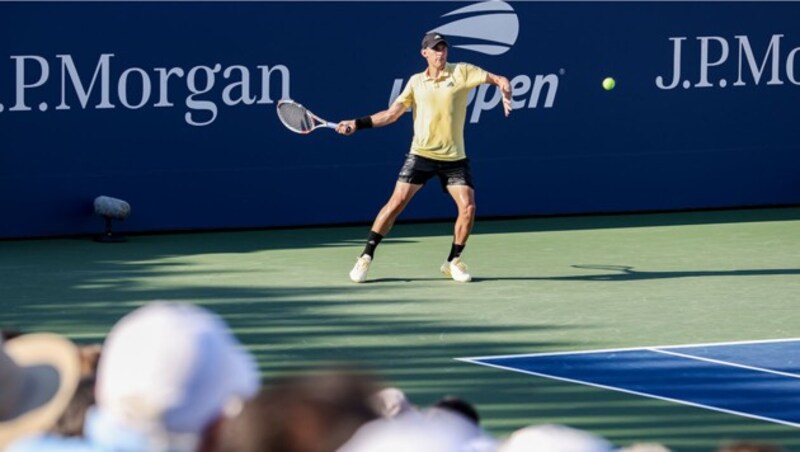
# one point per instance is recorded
(505, 88)
(380, 119)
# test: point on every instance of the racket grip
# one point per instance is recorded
(331, 125)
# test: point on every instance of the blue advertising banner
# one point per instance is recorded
(171, 107)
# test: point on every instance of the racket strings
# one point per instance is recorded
(295, 116)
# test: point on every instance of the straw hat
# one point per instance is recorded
(38, 377)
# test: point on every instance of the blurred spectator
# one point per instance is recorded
(460, 406)
(73, 418)
(554, 438)
(166, 376)
(436, 430)
(90, 358)
(391, 402)
(645, 447)
(314, 413)
(6, 334)
(745, 446)
(38, 376)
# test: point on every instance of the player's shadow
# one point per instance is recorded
(627, 273)
(406, 280)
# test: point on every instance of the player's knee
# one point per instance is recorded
(396, 205)
(468, 210)
(401, 199)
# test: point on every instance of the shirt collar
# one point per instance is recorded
(448, 69)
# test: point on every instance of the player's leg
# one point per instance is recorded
(454, 267)
(413, 175)
(464, 196)
(458, 180)
(403, 192)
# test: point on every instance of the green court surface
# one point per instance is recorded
(541, 285)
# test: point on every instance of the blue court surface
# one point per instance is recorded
(759, 379)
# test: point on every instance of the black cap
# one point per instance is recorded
(431, 39)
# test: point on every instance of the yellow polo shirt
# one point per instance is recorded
(440, 109)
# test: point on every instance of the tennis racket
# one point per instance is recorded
(298, 119)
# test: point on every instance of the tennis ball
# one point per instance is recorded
(609, 83)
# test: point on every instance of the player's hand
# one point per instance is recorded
(346, 127)
(505, 89)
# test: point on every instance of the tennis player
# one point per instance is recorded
(438, 97)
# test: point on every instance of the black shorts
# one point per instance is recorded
(418, 170)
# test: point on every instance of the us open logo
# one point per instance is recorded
(491, 28)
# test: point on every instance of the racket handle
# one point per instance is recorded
(331, 125)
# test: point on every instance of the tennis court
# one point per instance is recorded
(542, 286)
(752, 379)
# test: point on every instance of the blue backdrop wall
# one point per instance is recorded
(170, 106)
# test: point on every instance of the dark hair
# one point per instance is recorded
(459, 406)
(10, 333)
(73, 418)
(745, 446)
(309, 413)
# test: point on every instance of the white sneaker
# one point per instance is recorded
(359, 272)
(456, 270)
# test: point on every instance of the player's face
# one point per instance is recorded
(436, 56)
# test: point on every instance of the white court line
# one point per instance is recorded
(643, 394)
(628, 349)
(725, 363)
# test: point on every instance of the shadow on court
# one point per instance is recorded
(625, 273)
(583, 222)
